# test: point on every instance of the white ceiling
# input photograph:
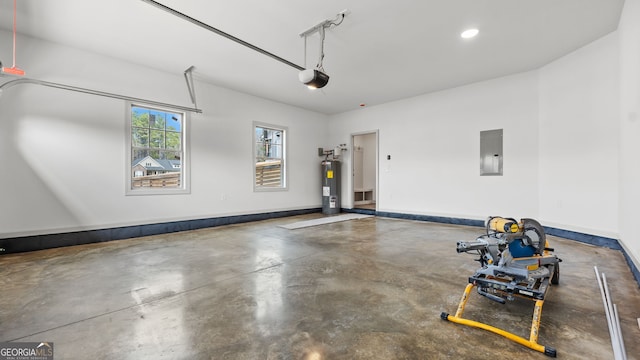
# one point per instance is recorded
(383, 51)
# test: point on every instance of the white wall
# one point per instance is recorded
(579, 139)
(434, 143)
(629, 32)
(562, 137)
(63, 153)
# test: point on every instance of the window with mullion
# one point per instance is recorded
(156, 150)
(269, 157)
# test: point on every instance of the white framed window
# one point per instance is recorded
(157, 156)
(269, 157)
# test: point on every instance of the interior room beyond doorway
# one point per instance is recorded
(364, 171)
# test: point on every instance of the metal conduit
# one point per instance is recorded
(15, 82)
(222, 33)
(188, 76)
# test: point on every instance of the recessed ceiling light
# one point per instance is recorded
(469, 33)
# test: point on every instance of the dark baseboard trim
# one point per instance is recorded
(360, 211)
(430, 218)
(632, 266)
(601, 241)
(584, 238)
(50, 241)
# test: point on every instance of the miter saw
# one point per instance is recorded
(516, 261)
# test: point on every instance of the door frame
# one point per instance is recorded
(375, 132)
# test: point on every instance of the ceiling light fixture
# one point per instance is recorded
(469, 33)
(317, 78)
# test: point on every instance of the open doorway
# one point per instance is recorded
(365, 170)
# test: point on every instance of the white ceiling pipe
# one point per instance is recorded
(19, 81)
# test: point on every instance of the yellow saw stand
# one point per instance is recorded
(531, 343)
(516, 262)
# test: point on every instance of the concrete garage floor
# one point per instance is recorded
(363, 289)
